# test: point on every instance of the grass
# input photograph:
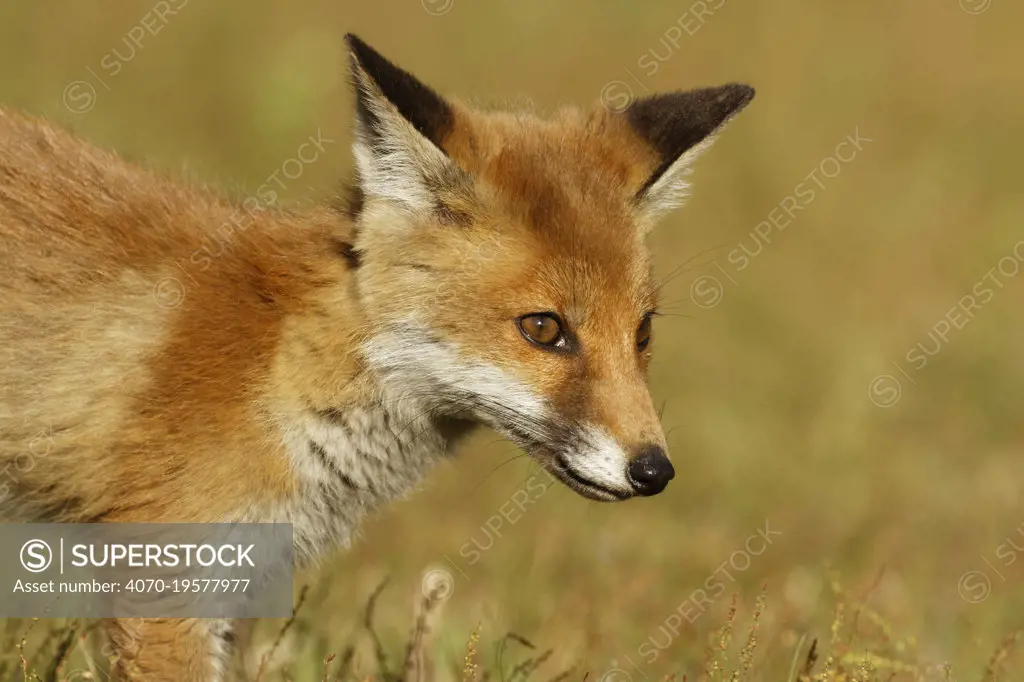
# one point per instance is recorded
(766, 392)
(859, 645)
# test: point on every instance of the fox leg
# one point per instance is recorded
(170, 650)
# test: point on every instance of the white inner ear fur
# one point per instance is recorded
(394, 159)
(672, 189)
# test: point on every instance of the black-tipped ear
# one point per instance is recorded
(376, 77)
(401, 129)
(677, 123)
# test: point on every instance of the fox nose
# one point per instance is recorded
(650, 471)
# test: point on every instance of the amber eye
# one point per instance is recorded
(643, 334)
(543, 329)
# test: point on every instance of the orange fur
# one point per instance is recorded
(159, 367)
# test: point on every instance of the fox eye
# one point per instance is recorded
(543, 329)
(643, 334)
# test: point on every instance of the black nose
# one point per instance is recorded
(650, 471)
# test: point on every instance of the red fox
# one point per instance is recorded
(488, 268)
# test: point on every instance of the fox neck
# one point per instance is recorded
(350, 460)
(355, 442)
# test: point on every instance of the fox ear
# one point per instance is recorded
(678, 127)
(401, 125)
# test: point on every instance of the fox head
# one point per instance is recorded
(502, 260)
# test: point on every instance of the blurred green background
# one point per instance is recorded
(788, 392)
